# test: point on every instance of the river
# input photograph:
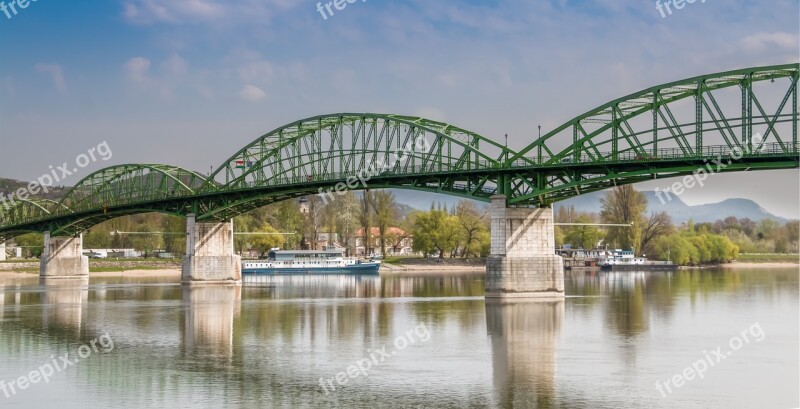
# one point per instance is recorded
(706, 338)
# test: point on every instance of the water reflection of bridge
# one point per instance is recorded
(266, 343)
(524, 339)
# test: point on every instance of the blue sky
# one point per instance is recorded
(188, 82)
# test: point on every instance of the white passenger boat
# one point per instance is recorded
(328, 261)
(625, 260)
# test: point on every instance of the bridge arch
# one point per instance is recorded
(332, 147)
(684, 116)
(23, 210)
(130, 183)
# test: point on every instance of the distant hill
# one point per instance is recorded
(422, 200)
(410, 200)
(9, 187)
(682, 212)
(590, 202)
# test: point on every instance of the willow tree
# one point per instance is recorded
(383, 204)
(624, 205)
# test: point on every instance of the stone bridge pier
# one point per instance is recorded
(209, 255)
(63, 258)
(2, 251)
(522, 262)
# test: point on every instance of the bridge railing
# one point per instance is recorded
(662, 154)
(712, 151)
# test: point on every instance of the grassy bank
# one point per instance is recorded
(768, 258)
(96, 265)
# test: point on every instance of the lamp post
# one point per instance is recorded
(506, 152)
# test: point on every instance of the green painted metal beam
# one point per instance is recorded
(670, 130)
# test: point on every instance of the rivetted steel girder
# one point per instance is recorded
(748, 117)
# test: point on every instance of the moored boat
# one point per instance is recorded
(327, 261)
(625, 260)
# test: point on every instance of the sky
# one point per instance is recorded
(189, 82)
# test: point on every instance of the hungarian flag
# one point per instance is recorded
(240, 164)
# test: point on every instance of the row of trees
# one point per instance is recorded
(692, 248)
(624, 206)
(656, 235)
(463, 232)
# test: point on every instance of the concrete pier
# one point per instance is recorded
(63, 258)
(3, 251)
(209, 255)
(522, 262)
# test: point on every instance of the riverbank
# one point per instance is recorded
(434, 265)
(143, 268)
(760, 265)
(105, 266)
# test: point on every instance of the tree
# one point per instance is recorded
(473, 222)
(658, 224)
(558, 232)
(620, 206)
(147, 241)
(265, 242)
(675, 248)
(436, 231)
(366, 221)
(396, 236)
(347, 211)
(32, 243)
(583, 236)
(290, 220)
(174, 243)
(97, 238)
(383, 203)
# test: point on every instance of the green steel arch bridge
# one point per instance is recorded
(742, 120)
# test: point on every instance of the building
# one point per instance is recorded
(398, 242)
(304, 205)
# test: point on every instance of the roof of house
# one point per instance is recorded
(375, 232)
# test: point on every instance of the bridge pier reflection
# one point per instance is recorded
(524, 336)
(64, 301)
(208, 319)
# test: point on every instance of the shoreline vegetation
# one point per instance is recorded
(390, 266)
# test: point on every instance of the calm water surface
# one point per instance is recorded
(430, 341)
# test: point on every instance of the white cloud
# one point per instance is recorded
(175, 65)
(431, 113)
(137, 70)
(760, 41)
(252, 93)
(183, 11)
(56, 75)
(174, 11)
(259, 71)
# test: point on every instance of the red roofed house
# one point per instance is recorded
(398, 242)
